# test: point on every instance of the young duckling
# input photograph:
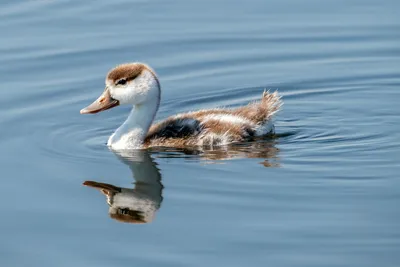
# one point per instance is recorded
(137, 84)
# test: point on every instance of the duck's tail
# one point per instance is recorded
(271, 103)
(261, 111)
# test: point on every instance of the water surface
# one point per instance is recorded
(324, 192)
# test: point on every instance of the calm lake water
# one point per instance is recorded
(324, 192)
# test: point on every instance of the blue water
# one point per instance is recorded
(324, 192)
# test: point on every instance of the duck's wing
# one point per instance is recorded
(174, 127)
(254, 119)
(216, 125)
(204, 128)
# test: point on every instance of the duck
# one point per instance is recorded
(137, 84)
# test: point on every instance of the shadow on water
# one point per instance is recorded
(138, 204)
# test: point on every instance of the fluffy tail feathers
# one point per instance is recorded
(272, 102)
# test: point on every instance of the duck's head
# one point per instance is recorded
(132, 83)
(125, 205)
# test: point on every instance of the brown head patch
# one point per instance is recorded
(126, 71)
(128, 216)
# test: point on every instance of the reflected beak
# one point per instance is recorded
(102, 186)
(104, 102)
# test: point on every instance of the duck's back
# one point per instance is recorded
(215, 127)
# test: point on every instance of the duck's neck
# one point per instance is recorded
(131, 134)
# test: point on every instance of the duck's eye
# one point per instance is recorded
(121, 82)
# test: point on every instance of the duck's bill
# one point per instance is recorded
(104, 102)
(102, 186)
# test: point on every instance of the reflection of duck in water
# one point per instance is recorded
(261, 149)
(137, 84)
(137, 205)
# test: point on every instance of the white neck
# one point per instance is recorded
(131, 134)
